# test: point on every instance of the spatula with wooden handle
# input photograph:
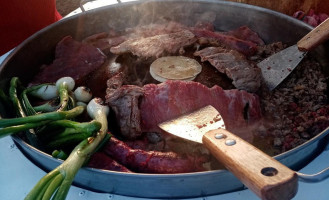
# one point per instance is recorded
(278, 66)
(261, 173)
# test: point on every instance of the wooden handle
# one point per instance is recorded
(261, 173)
(314, 38)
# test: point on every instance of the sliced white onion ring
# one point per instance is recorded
(175, 68)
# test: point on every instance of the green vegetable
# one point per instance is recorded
(53, 124)
(44, 91)
(13, 94)
(18, 128)
(25, 123)
(42, 117)
(59, 154)
(25, 101)
(15, 84)
(74, 132)
(64, 97)
(57, 183)
(64, 102)
(49, 106)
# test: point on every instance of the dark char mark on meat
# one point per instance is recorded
(245, 111)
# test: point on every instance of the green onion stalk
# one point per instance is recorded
(73, 132)
(60, 154)
(30, 121)
(13, 95)
(64, 101)
(48, 106)
(25, 101)
(64, 97)
(56, 184)
(14, 125)
(14, 103)
(15, 85)
(55, 119)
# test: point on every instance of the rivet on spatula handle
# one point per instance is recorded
(261, 173)
(314, 38)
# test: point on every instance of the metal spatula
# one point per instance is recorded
(278, 66)
(262, 174)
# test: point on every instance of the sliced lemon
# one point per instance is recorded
(175, 68)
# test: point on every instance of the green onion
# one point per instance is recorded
(59, 154)
(62, 177)
(15, 84)
(42, 117)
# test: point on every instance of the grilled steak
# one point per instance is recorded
(124, 101)
(245, 75)
(206, 37)
(245, 33)
(105, 41)
(156, 46)
(154, 29)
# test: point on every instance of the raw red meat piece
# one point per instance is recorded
(71, 57)
(100, 160)
(153, 161)
(239, 109)
(104, 41)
